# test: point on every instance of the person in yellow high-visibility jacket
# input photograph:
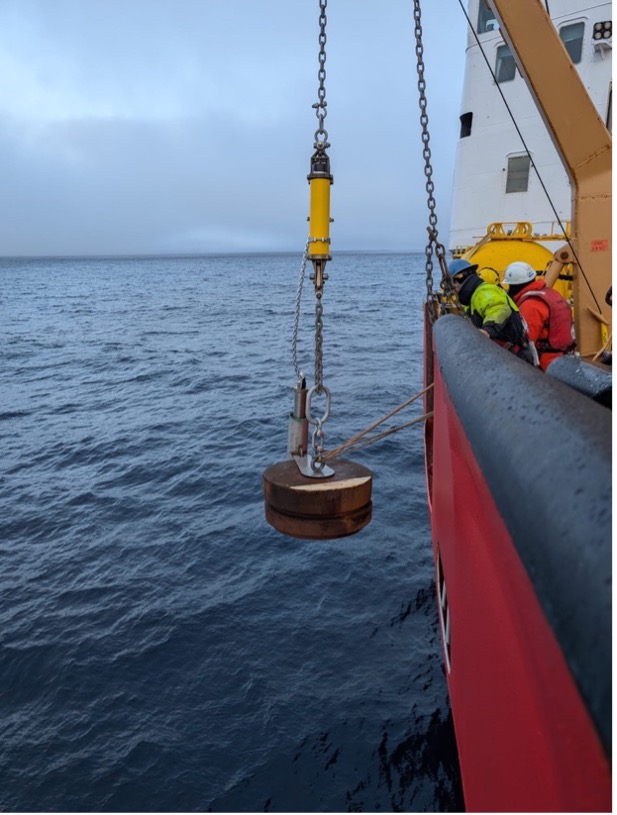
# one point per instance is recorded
(491, 310)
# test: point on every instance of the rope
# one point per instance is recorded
(378, 437)
(604, 348)
(355, 440)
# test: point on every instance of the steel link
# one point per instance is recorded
(294, 338)
(321, 143)
(433, 246)
(318, 442)
(318, 438)
(318, 343)
(321, 134)
(318, 458)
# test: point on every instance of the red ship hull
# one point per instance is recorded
(529, 681)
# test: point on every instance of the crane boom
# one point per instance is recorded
(585, 147)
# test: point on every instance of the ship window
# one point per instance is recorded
(486, 19)
(505, 66)
(518, 174)
(572, 38)
(466, 120)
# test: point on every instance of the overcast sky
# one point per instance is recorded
(164, 126)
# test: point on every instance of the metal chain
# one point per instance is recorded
(321, 134)
(318, 442)
(433, 244)
(318, 342)
(294, 338)
(319, 386)
(321, 143)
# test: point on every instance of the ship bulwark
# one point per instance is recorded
(521, 522)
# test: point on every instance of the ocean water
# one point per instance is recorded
(162, 648)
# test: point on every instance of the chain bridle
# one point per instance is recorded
(434, 246)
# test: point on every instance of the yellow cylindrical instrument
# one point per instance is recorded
(320, 181)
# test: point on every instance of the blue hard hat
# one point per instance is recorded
(458, 266)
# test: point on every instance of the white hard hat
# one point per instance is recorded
(518, 273)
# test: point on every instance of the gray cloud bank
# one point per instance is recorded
(186, 126)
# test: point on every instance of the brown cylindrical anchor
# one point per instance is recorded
(318, 508)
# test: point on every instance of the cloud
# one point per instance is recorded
(150, 127)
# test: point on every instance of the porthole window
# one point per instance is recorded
(505, 67)
(572, 38)
(518, 174)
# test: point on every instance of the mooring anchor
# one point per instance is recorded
(304, 497)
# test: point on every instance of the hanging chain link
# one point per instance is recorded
(321, 134)
(318, 275)
(433, 245)
(321, 143)
(294, 338)
(319, 386)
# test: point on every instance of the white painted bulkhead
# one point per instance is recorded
(482, 159)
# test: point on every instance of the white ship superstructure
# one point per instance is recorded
(494, 180)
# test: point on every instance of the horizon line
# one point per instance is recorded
(147, 255)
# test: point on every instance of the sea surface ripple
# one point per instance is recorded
(161, 647)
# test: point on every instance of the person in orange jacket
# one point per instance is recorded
(546, 312)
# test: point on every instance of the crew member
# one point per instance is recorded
(546, 312)
(491, 310)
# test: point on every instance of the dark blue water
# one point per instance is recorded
(161, 647)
